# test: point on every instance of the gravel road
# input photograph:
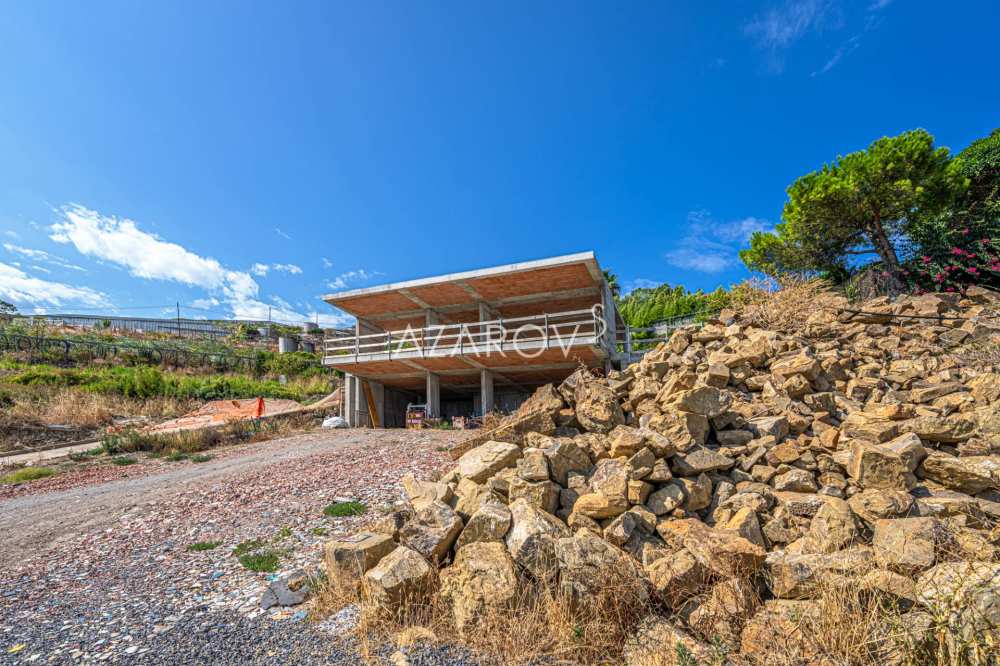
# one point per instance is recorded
(100, 570)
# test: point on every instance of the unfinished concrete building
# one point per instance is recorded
(470, 343)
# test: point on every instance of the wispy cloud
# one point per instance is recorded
(780, 27)
(879, 4)
(18, 287)
(344, 279)
(639, 283)
(327, 263)
(842, 51)
(10, 233)
(261, 270)
(41, 255)
(711, 246)
(282, 234)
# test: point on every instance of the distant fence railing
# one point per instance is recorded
(69, 350)
(638, 340)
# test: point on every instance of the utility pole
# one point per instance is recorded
(178, 319)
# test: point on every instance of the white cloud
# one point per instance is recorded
(41, 255)
(342, 280)
(10, 233)
(639, 283)
(327, 263)
(711, 246)
(780, 27)
(261, 270)
(282, 234)
(120, 241)
(19, 287)
(879, 4)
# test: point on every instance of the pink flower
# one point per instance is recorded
(972, 270)
(939, 277)
(957, 251)
(950, 289)
(965, 231)
(926, 259)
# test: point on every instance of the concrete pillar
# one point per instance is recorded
(433, 395)
(486, 391)
(355, 409)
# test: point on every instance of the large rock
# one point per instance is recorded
(949, 429)
(597, 408)
(482, 578)
(699, 460)
(422, 493)
(969, 475)
(682, 431)
(610, 478)
(724, 553)
(657, 642)
(599, 507)
(873, 505)
(703, 400)
(350, 557)
(966, 596)
(875, 466)
(401, 577)
(433, 531)
(484, 461)
(807, 575)
(666, 499)
(908, 545)
(532, 538)
(542, 494)
(489, 523)
(589, 565)
(677, 578)
(564, 457)
(782, 632)
(833, 528)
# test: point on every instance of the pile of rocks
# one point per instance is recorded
(738, 472)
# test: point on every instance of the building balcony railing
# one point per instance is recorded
(526, 335)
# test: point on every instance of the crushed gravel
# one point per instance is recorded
(102, 572)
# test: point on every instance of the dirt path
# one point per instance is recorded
(103, 570)
(34, 523)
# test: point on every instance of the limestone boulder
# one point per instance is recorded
(490, 523)
(484, 461)
(677, 577)
(481, 578)
(873, 505)
(699, 460)
(532, 537)
(966, 595)
(597, 408)
(563, 457)
(833, 528)
(681, 430)
(599, 506)
(970, 475)
(588, 565)
(908, 545)
(774, 635)
(532, 466)
(422, 493)
(542, 494)
(808, 575)
(875, 466)
(666, 499)
(401, 577)
(724, 553)
(350, 557)
(702, 400)
(658, 642)
(433, 531)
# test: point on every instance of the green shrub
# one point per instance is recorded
(177, 456)
(200, 458)
(203, 545)
(248, 546)
(263, 561)
(345, 509)
(80, 456)
(26, 474)
(121, 461)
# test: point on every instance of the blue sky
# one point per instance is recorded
(235, 156)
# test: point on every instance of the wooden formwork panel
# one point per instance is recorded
(537, 281)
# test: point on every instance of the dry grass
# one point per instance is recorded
(86, 410)
(542, 623)
(782, 304)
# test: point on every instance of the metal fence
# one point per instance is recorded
(66, 350)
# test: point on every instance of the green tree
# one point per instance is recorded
(7, 309)
(861, 204)
(613, 285)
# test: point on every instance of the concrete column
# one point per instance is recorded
(433, 395)
(486, 391)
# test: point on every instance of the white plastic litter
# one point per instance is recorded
(335, 422)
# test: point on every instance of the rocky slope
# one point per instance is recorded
(741, 476)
